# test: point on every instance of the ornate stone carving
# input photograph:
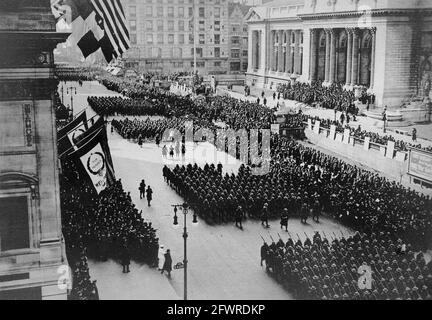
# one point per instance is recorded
(27, 89)
(28, 124)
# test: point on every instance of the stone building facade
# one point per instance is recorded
(382, 46)
(31, 249)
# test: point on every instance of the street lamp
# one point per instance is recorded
(185, 209)
(72, 91)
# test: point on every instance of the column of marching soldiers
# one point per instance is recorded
(394, 222)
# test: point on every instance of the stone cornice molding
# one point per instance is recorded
(376, 12)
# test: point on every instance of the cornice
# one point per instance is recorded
(379, 12)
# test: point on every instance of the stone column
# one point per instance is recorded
(297, 53)
(262, 51)
(288, 65)
(327, 56)
(280, 53)
(349, 56)
(252, 50)
(271, 50)
(313, 55)
(372, 74)
(333, 39)
(355, 58)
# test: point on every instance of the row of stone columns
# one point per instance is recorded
(285, 56)
(352, 55)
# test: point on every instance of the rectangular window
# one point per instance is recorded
(149, 25)
(181, 12)
(181, 38)
(217, 52)
(160, 11)
(217, 26)
(170, 12)
(170, 25)
(201, 39)
(201, 12)
(181, 25)
(217, 63)
(170, 38)
(132, 11)
(149, 11)
(235, 53)
(235, 66)
(149, 38)
(160, 38)
(160, 25)
(14, 223)
(235, 40)
(217, 39)
(133, 38)
(133, 25)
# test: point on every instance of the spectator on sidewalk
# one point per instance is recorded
(149, 195)
(167, 266)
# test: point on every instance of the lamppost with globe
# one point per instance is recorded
(185, 209)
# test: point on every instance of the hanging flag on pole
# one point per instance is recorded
(71, 131)
(94, 158)
(97, 24)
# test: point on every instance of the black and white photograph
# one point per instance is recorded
(198, 153)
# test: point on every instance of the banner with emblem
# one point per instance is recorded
(69, 133)
(79, 136)
(94, 157)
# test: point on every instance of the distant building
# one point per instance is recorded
(163, 39)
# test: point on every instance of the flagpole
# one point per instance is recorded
(195, 38)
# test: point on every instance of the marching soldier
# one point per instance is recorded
(239, 217)
(284, 219)
(264, 216)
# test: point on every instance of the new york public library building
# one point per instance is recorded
(380, 46)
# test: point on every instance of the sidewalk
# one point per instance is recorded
(424, 132)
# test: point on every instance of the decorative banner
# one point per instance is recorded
(71, 131)
(420, 164)
(96, 161)
(317, 127)
(80, 120)
(332, 131)
(275, 128)
(346, 136)
(366, 143)
(390, 149)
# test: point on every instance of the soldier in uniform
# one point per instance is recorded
(284, 219)
(142, 188)
(264, 215)
(239, 217)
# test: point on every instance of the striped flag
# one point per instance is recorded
(97, 24)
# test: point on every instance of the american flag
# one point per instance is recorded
(97, 24)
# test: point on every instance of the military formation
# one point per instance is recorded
(359, 267)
